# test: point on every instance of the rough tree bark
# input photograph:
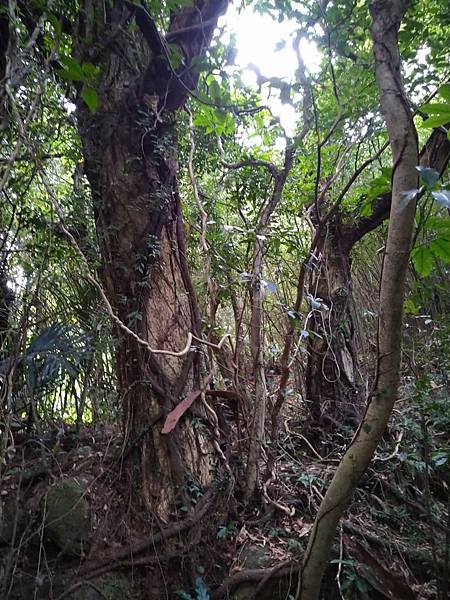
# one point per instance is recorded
(386, 19)
(130, 160)
(331, 381)
(332, 384)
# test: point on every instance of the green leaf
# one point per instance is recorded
(379, 185)
(54, 21)
(361, 585)
(73, 70)
(439, 224)
(366, 208)
(410, 307)
(214, 90)
(436, 108)
(436, 121)
(441, 249)
(176, 56)
(90, 71)
(90, 96)
(422, 259)
(444, 91)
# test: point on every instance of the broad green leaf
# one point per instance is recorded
(444, 91)
(378, 187)
(214, 90)
(436, 121)
(73, 69)
(422, 259)
(176, 56)
(410, 307)
(437, 223)
(55, 24)
(366, 208)
(220, 116)
(436, 108)
(90, 96)
(90, 70)
(441, 249)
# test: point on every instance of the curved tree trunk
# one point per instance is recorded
(130, 159)
(386, 16)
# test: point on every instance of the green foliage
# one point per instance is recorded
(435, 245)
(226, 531)
(85, 73)
(90, 96)
(439, 111)
(352, 580)
(422, 258)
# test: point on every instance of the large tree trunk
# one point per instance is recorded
(130, 160)
(333, 388)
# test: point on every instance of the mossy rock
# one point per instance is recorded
(255, 557)
(67, 517)
(38, 470)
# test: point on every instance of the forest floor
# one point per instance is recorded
(391, 543)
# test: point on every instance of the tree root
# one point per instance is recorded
(114, 560)
(254, 575)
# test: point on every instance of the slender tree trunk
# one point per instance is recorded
(130, 159)
(256, 324)
(6, 301)
(257, 350)
(386, 16)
